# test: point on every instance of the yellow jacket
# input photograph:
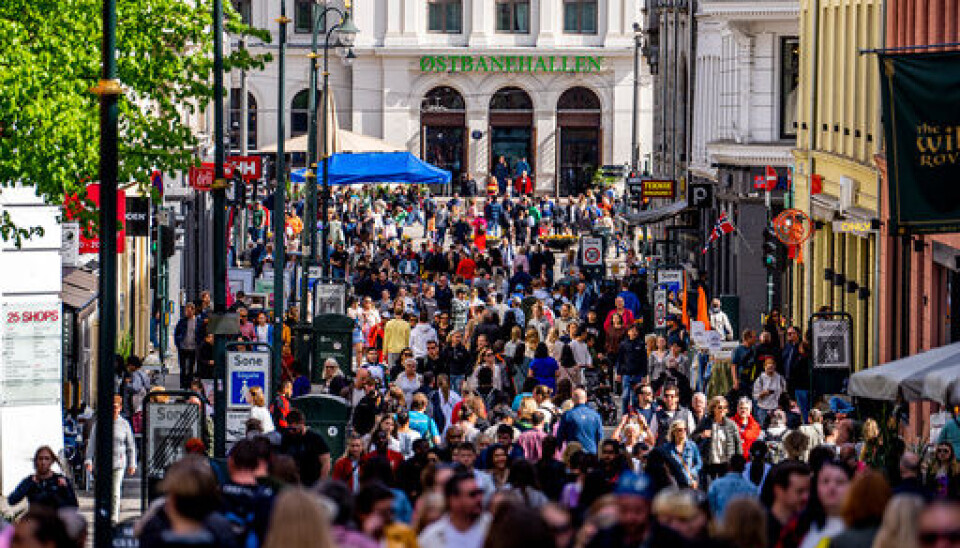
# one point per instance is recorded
(396, 336)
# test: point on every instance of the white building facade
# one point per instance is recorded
(462, 82)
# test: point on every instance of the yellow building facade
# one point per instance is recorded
(835, 179)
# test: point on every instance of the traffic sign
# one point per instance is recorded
(660, 309)
(700, 195)
(591, 251)
(246, 370)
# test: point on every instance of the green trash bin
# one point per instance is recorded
(332, 338)
(328, 416)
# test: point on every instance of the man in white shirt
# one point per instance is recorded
(465, 524)
(420, 335)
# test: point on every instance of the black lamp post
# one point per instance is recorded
(345, 31)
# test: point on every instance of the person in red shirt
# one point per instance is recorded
(619, 308)
(280, 407)
(380, 449)
(467, 267)
(747, 425)
(347, 467)
(523, 185)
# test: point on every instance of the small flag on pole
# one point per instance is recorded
(722, 226)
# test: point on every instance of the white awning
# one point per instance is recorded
(932, 375)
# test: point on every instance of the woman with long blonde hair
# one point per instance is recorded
(899, 526)
(298, 520)
(531, 340)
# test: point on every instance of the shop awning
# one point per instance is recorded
(378, 167)
(650, 216)
(932, 375)
(78, 288)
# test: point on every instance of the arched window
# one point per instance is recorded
(443, 130)
(300, 113)
(442, 99)
(236, 115)
(511, 98)
(580, 152)
(578, 98)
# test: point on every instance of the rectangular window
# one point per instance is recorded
(243, 8)
(303, 17)
(580, 16)
(789, 77)
(445, 16)
(513, 16)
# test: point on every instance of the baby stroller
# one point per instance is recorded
(600, 395)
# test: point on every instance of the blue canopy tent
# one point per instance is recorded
(377, 167)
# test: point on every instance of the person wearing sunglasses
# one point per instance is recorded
(465, 524)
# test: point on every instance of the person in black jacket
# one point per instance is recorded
(367, 409)
(45, 487)
(192, 498)
(631, 364)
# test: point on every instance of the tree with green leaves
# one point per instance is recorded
(49, 60)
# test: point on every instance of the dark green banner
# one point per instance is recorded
(921, 118)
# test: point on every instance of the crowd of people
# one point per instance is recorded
(502, 397)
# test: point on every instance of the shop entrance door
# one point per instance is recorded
(513, 143)
(579, 159)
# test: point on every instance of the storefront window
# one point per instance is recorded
(513, 16)
(789, 77)
(236, 116)
(580, 16)
(445, 16)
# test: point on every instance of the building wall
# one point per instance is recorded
(924, 308)
(838, 134)
(380, 93)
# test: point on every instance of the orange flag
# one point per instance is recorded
(685, 318)
(703, 315)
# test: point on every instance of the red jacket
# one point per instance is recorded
(523, 185)
(748, 433)
(343, 471)
(395, 459)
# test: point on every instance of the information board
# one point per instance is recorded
(31, 351)
(331, 298)
(244, 371)
(169, 426)
(831, 344)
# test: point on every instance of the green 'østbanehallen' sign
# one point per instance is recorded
(511, 63)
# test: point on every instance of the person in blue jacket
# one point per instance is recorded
(581, 424)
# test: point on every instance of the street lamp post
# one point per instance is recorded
(219, 237)
(108, 89)
(345, 31)
(279, 245)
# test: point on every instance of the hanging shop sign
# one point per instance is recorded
(658, 188)
(250, 168)
(511, 63)
(921, 117)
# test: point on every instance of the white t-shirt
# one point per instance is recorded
(263, 415)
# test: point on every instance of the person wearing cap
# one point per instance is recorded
(634, 528)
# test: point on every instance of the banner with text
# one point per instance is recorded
(921, 116)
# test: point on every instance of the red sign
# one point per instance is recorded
(816, 183)
(250, 167)
(92, 245)
(772, 179)
(201, 178)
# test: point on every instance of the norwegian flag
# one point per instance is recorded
(722, 226)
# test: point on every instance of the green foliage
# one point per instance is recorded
(49, 60)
